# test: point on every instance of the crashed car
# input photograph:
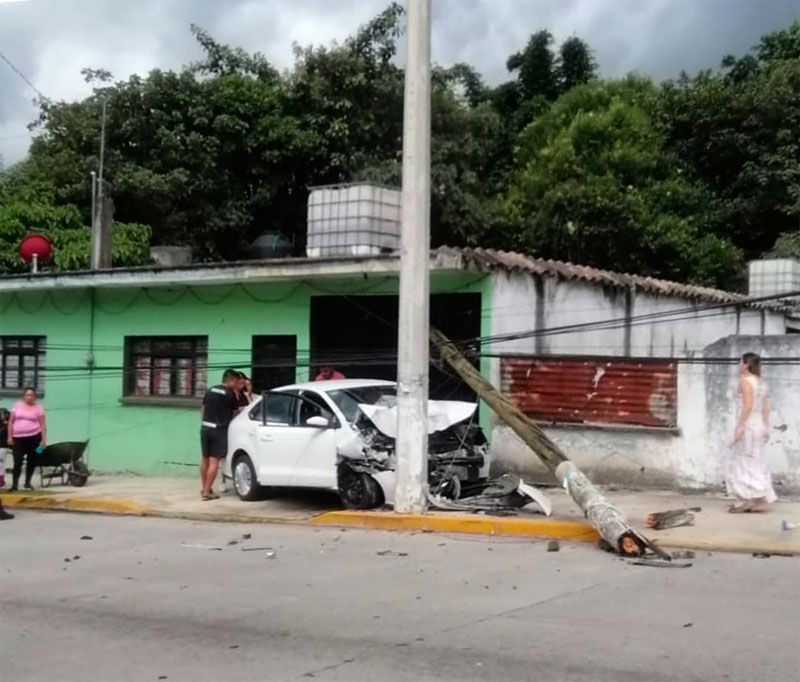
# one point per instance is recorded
(340, 435)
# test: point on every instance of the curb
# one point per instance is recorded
(576, 531)
(465, 524)
(84, 504)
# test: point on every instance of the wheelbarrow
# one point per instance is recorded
(63, 461)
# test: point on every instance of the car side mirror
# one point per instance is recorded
(318, 422)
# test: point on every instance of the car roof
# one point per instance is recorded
(335, 385)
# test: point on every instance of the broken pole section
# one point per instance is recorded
(606, 518)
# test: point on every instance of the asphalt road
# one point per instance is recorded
(146, 599)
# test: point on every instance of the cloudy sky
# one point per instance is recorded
(49, 41)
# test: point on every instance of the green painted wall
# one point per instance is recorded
(158, 439)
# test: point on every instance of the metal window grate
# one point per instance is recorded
(166, 366)
(22, 362)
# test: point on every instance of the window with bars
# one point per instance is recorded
(22, 362)
(165, 366)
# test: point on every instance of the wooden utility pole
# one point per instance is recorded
(608, 520)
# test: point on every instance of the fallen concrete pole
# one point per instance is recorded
(609, 521)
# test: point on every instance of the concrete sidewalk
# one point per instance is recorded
(715, 529)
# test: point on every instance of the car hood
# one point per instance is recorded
(442, 414)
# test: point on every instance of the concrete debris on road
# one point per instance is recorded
(660, 563)
(211, 548)
(506, 493)
(672, 518)
(553, 546)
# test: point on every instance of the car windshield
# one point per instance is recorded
(348, 399)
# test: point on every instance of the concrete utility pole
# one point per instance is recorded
(412, 342)
(100, 235)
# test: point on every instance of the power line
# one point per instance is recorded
(21, 75)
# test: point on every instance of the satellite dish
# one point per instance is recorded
(35, 249)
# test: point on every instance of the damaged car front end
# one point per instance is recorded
(458, 462)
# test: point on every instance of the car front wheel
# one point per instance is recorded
(244, 479)
(359, 490)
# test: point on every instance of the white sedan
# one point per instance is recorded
(338, 435)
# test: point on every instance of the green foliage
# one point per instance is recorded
(596, 186)
(786, 246)
(26, 208)
(576, 64)
(679, 180)
(738, 132)
(536, 65)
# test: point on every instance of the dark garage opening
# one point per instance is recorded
(358, 336)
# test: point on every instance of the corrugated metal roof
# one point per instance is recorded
(641, 393)
(489, 259)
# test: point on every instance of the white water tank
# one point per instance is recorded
(359, 219)
(773, 276)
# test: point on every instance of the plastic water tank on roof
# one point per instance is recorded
(270, 245)
(360, 219)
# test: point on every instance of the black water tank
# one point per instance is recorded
(270, 245)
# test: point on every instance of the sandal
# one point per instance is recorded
(212, 496)
(739, 509)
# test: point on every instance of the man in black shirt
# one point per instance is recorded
(220, 404)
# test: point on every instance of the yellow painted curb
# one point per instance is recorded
(577, 531)
(86, 504)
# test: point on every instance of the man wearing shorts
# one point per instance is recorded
(220, 404)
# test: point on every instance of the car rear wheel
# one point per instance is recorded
(358, 490)
(245, 482)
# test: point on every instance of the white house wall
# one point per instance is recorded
(691, 455)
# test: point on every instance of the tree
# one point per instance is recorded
(206, 160)
(536, 65)
(542, 75)
(738, 130)
(786, 246)
(465, 179)
(576, 64)
(595, 185)
(26, 206)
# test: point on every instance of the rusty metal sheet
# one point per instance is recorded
(642, 393)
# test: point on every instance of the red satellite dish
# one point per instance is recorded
(35, 249)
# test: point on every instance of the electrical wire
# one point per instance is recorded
(14, 68)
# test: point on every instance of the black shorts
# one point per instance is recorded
(214, 442)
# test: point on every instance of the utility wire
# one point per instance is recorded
(21, 75)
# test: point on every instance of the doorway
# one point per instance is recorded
(274, 361)
(357, 335)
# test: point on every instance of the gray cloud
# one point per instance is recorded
(51, 40)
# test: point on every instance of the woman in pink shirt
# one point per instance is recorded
(26, 435)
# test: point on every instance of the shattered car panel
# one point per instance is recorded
(457, 447)
(457, 459)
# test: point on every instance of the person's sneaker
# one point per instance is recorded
(5, 516)
(13, 489)
(28, 486)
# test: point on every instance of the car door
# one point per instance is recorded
(273, 439)
(316, 463)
